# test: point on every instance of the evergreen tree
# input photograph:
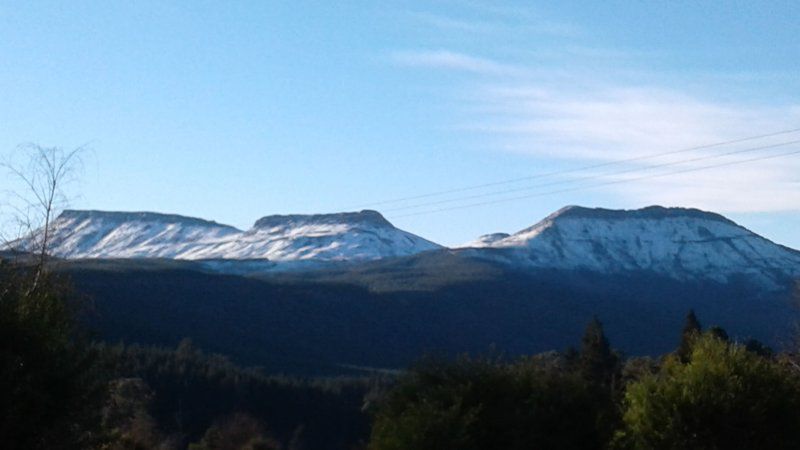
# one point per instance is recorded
(691, 329)
(52, 388)
(719, 333)
(597, 363)
(127, 420)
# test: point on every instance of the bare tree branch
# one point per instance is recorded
(42, 176)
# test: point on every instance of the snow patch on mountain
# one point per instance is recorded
(682, 243)
(358, 236)
(678, 242)
(102, 234)
(486, 240)
(364, 235)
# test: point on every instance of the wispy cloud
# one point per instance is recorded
(619, 123)
(565, 99)
(449, 60)
(613, 122)
(496, 21)
(451, 24)
(575, 119)
(521, 19)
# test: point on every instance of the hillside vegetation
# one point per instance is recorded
(709, 392)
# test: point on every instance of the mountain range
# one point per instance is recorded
(342, 293)
(355, 236)
(680, 243)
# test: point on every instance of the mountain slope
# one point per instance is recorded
(392, 311)
(680, 243)
(677, 242)
(102, 234)
(638, 271)
(357, 236)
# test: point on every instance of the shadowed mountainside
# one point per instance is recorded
(388, 313)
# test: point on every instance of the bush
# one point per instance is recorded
(724, 398)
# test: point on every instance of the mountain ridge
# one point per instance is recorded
(366, 216)
(683, 243)
(362, 235)
(137, 215)
(652, 211)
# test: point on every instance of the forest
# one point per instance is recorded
(62, 389)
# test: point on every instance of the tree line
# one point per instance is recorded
(710, 393)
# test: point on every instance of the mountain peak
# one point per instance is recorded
(654, 212)
(364, 217)
(135, 216)
(351, 236)
(684, 243)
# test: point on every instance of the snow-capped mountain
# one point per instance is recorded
(681, 243)
(356, 236)
(353, 236)
(103, 234)
(678, 242)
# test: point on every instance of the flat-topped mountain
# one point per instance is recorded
(365, 218)
(353, 236)
(104, 234)
(678, 242)
(681, 243)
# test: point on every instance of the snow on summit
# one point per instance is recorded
(352, 236)
(679, 242)
(361, 235)
(355, 236)
(103, 234)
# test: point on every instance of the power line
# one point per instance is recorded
(593, 177)
(576, 169)
(577, 188)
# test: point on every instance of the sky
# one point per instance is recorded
(231, 111)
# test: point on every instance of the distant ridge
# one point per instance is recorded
(366, 217)
(682, 243)
(352, 236)
(130, 216)
(649, 212)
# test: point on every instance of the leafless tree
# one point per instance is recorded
(40, 174)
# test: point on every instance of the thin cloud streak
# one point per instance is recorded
(621, 123)
(449, 60)
(578, 119)
(450, 24)
(616, 122)
(523, 19)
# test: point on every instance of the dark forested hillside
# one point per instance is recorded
(186, 391)
(384, 315)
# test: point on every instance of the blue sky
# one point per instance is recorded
(234, 110)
